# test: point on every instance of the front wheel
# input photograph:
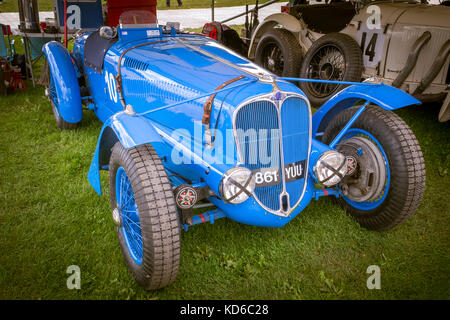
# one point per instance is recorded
(145, 215)
(386, 178)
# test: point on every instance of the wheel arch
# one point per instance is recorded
(386, 97)
(130, 130)
(65, 76)
(288, 22)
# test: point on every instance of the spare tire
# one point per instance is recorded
(335, 56)
(279, 52)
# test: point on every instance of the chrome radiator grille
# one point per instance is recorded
(274, 134)
(262, 117)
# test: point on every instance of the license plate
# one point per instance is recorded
(265, 177)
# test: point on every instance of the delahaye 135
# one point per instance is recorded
(187, 123)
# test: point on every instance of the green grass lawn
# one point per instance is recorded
(47, 5)
(50, 218)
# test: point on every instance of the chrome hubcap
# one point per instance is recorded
(368, 176)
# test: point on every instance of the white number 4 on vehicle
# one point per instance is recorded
(371, 42)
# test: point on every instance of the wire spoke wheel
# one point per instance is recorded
(333, 57)
(52, 94)
(145, 215)
(327, 64)
(272, 59)
(279, 52)
(126, 205)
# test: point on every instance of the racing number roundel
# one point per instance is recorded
(371, 42)
(111, 83)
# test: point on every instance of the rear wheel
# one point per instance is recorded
(386, 178)
(145, 215)
(336, 57)
(279, 52)
(52, 95)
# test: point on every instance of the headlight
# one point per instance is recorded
(237, 185)
(330, 168)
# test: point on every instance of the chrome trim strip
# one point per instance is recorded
(283, 172)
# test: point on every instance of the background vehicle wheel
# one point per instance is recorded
(335, 56)
(279, 52)
(388, 179)
(52, 95)
(145, 214)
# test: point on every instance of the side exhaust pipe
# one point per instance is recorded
(412, 59)
(435, 68)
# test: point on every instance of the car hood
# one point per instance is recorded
(172, 71)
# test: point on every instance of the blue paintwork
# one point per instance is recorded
(66, 82)
(128, 210)
(349, 124)
(209, 216)
(167, 82)
(120, 127)
(326, 192)
(387, 97)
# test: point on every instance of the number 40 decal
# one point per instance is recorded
(111, 83)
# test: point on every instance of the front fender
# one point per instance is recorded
(130, 130)
(287, 21)
(387, 97)
(66, 82)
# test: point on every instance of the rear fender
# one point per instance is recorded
(130, 130)
(66, 82)
(286, 21)
(386, 97)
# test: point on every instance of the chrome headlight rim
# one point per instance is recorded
(244, 190)
(339, 172)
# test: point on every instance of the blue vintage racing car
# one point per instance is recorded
(189, 124)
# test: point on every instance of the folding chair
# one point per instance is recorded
(7, 49)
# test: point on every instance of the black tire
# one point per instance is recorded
(405, 160)
(158, 215)
(279, 52)
(335, 56)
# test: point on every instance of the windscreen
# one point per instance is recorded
(137, 19)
